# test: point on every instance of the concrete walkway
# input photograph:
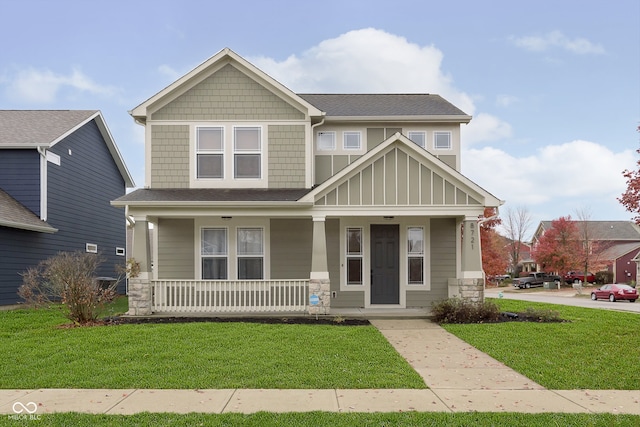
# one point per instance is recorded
(460, 379)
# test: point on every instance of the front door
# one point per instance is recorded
(385, 264)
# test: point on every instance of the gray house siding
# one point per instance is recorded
(176, 257)
(291, 247)
(170, 156)
(20, 177)
(79, 195)
(286, 146)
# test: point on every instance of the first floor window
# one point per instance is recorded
(250, 254)
(419, 138)
(415, 252)
(354, 256)
(213, 250)
(442, 140)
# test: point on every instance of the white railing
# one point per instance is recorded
(236, 296)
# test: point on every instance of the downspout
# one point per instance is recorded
(313, 163)
(43, 182)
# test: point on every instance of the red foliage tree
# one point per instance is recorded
(494, 254)
(559, 248)
(630, 199)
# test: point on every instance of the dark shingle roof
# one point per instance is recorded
(13, 214)
(214, 195)
(381, 105)
(607, 230)
(28, 128)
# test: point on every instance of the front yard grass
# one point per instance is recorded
(597, 349)
(37, 353)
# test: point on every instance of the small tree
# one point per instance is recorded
(494, 254)
(558, 250)
(69, 278)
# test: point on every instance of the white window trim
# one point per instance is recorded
(225, 255)
(231, 225)
(261, 254)
(120, 251)
(421, 132)
(333, 146)
(228, 180)
(435, 133)
(416, 255)
(211, 151)
(347, 255)
(259, 152)
(353, 133)
(91, 248)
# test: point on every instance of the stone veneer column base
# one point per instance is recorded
(467, 289)
(139, 297)
(321, 288)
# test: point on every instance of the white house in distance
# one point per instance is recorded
(264, 200)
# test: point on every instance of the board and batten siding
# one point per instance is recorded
(228, 94)
(176, 242)
(286, 154)
(20, 177)
(291, 248)
(170, 156)
(79, 193)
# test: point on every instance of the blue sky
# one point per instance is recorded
(553, 86)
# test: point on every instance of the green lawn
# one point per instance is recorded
(318, 419)
(36, 353)
(597, 349)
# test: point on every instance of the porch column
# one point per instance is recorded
(140, 285)
(319, 284)
(471, 283)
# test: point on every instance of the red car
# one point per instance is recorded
(615, 292)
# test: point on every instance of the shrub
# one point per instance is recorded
(603, 277)
(542, 315)
(456, 310)
(69, 278)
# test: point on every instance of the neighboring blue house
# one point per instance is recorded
(59, 170)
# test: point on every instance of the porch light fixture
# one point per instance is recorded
(388, 217)
(226, 218)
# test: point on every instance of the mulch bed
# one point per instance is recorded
(302, 320)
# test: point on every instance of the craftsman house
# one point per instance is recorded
(59, 171)
(261, 199)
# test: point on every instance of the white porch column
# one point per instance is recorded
(140, 286)
(471, 283)
(319, 284)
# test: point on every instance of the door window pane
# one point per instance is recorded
(416, 270)
(354, 271)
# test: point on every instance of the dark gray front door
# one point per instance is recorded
(385, 260)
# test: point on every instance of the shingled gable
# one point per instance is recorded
(209, 67)
(464, 188)
(45, 128)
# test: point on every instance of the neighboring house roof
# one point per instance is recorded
(200, 197)
(210, 66)
(13, 214)
(386, 105)
(619, 250)
(32, 129)
(604, 230)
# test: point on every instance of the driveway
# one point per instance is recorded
(562, 296)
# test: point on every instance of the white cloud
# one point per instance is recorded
(557, 39)
(43, 86)
(170, 72)
(555, 181)
(505, 100)
(484, 128)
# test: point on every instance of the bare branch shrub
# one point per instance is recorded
(68, 278)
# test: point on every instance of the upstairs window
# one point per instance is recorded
(210, 152)
(247, 152)
(351, 140)
(442, 140)
(326, 141)
(419, 138)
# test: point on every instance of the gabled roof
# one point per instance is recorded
(619, 250)
(208, 67)
(417, 152)
(32, 129)
(377, 106)
(604, 230)
(13, 214)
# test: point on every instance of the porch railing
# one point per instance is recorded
(222, 296)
